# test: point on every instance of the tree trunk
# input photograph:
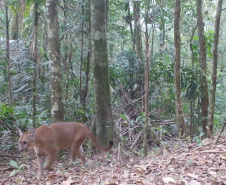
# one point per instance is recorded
(137, 30)
(8, 55)
(15, 26)
(162, 37)
(82, 51)
(214, 65)
(57, 106)
(131, 26)
(34, 58)
(146, 102)
(192, 99)
(146, 87)
(86, 87)
(177, 75)
(202, 61)
(105, 128)
(138, 47)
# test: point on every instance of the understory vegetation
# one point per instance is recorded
(132, 41)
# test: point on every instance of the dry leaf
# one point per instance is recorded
(212, 173)
(207, 141)
(165, 152)
(168, 180)
(192, 175)
(110, 183)
(49, 183)
(223, 157)
(67, 182)
(144, 168)
(194, 182)
(51, 176)
(126, 175)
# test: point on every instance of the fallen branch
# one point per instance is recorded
(8, 169)
(3, 164)
(13, 156)
(209, 132)
(131, 150)
(213, 151)
(137, 139)
(222, 129)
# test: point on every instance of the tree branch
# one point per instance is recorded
(222, 129)
(2, 22)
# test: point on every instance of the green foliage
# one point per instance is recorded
(6, 116)
(209, 42)
(126, 70)
(14, 164)
(198, 139)
(138, 121)
(39, 2)
(190, 82)
(129, 69)
(5, 111)
(19, 168)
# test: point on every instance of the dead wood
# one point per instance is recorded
(12, 156)
(131, 150)
(213, 151)
(222, 129)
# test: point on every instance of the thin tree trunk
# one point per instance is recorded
(192, 98)
(146, 99)
(34, 58)
(202, 60)
(214, 65)
(86, 87)
(138, 45)
(8, 55)
(146, 87)
(162, 37)
(105, 127)
(57, 106)
(81, 55)
(177, 74)
(131, 27)
(137, 30)
(15, 26)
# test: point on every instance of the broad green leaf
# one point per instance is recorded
(12, 173)
(14, 164)
(41, 51)
(123, 117)
(195, 38)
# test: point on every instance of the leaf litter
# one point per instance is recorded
(178, 163)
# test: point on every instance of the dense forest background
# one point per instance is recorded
(141, 71)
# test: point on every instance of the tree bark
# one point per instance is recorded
(192, 99)
(8, 54)
(34, 56)
(15, 26)
(57, 106)
(146, 90)
(214, 65)
(105, 127)
(147, 74)
(137, 31)
(202, 61)
(86, 86)
(82, 51)
(131, 26)
(177, 74)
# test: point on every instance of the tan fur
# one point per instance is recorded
(50, 139)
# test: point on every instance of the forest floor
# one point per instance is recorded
(179, 163)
